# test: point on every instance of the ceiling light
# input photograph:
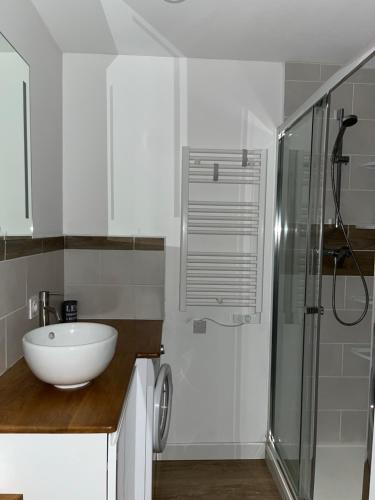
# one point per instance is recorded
(174, 1)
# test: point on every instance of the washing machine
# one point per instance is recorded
(163, 393)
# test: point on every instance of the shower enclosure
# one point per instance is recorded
(303, 165)
(298, 256)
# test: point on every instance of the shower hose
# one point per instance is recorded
(348, 242)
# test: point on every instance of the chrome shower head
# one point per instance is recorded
(349, 121)
(345, 122)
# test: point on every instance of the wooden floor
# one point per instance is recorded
(214, 480)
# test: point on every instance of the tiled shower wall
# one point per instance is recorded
(356, 95)
(344, 364)
(20, 278)
(344, 351)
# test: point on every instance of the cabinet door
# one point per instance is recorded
(143, 157)
(130, 448)
(54, 466)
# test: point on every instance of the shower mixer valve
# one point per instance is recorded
(339, 254)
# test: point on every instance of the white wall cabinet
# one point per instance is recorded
(65, 466)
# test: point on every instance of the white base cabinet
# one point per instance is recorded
(66, 466)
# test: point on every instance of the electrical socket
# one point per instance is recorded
(33, 307)
(199, 326)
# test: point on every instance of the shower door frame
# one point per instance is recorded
(278, 469)
(276, 466)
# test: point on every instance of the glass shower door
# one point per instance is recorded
(296, 297)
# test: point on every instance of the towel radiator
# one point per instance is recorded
(222, 235)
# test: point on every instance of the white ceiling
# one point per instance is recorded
(331, 31)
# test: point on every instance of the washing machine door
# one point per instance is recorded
(162, 407)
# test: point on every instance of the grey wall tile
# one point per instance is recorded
(328, 430)
(330, 359)
(12, 285)
(332, 331)
(359, 139)
(345, 179)
(327, 291)
(296, 94)
(342, 97)
(302, 71)
(45, 272)
(329, 209)
(362, 177)
(149, 302)
(364, 100)
(355, 363)
(327, 70)
(105, 283)
(354, 296)
(2, 347)
(358, 207)
(17, 324)
(82, 267)
(117, 267)
(338, 393)
(103, 301)
(361, 76)
(149, 268)
(354, 426)
(365, 75)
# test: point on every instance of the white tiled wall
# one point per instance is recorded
(120, 284)
(19, 279)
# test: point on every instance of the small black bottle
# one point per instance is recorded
(69, 311)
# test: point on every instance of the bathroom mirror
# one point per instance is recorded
(15, 159)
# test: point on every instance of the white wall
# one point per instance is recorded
(221, 378)
(22, 26)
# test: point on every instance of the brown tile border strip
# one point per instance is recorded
(149, 244)
(99, 243)
(53, 244)
(363, 241)
(113, 243)
(2, 250)
(17, 246)
(365, 259)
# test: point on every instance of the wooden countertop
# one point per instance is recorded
(28, 405)
(6, 496)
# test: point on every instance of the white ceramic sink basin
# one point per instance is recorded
(69, 355)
